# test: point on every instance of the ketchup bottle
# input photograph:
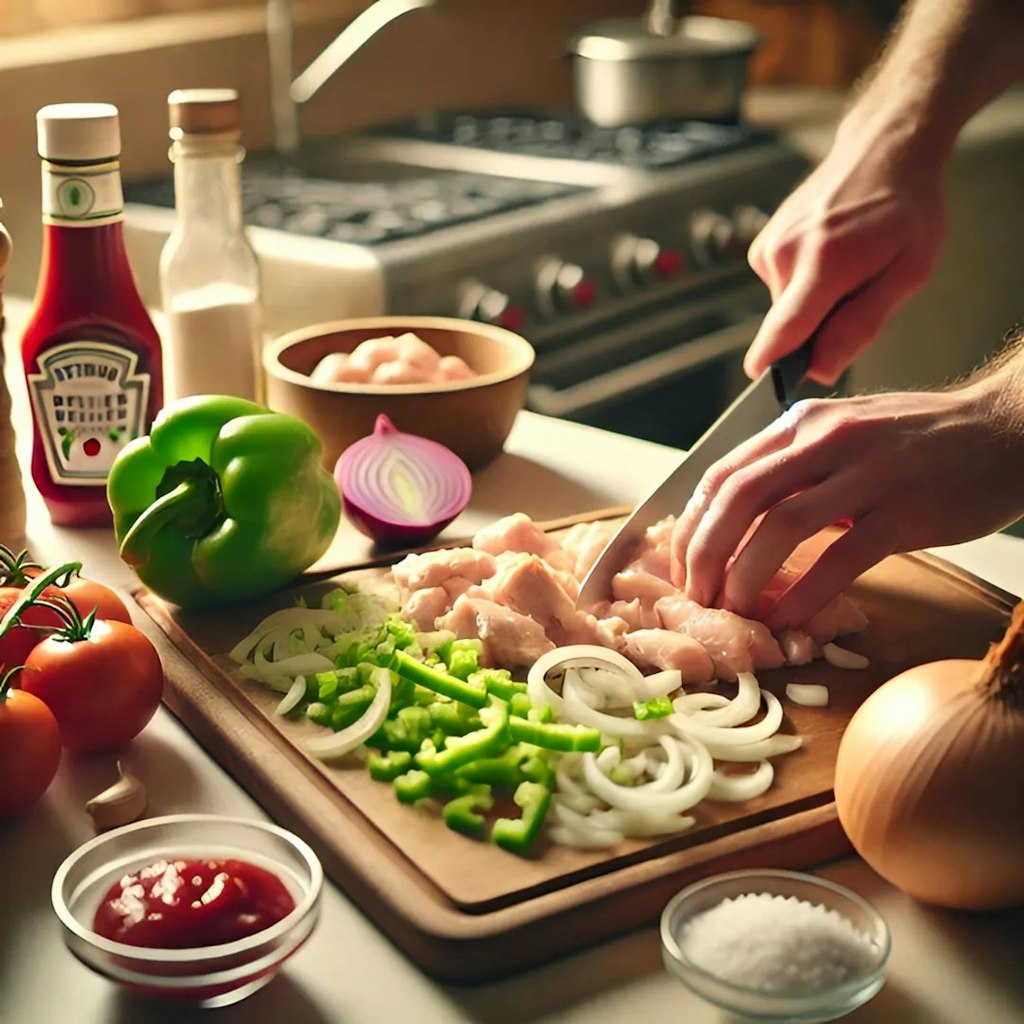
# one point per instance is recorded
(91, 354)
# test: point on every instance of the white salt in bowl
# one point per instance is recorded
(775, 945)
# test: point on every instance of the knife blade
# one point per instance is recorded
(758, 406)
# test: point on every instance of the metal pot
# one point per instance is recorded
(659, 67)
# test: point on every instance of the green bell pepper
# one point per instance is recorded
(223, 501)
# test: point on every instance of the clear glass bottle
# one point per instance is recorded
(209, 273)
(91, 353)
(12, 494)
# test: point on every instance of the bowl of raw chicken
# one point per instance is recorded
(457, 382)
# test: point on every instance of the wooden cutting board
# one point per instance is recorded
(466, 911)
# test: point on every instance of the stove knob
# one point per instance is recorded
(637, 261)
(490, 306)
(563, 287)
(748, 222)
(713, 237)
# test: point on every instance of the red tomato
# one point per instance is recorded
(29, 751)
(88, 594)
(102, 690)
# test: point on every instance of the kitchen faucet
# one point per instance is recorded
(286, 94)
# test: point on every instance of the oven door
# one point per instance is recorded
(664, 377)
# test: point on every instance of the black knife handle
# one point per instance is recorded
(790, 370)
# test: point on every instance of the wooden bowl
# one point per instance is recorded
(471, 417)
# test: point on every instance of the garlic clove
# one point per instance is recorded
(119, 804)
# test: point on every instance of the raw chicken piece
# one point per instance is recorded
(433, 568)
(634, 613)
(372, 352)
(652, 554)
(412, 349)
(398, 371)
(453, 368)
(638, 585)
(510, 559)
(666, 649)
(425, 606)
(510, 640)
(797, 647)
(518, 532)
(584, 542)
(337, 368)
(734, 643)
(530, 586)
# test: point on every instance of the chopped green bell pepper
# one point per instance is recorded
(554, 735)
(460, 750)
(223, 501)
(517, 834)
(462, 813)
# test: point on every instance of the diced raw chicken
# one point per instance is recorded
(797, 647)
(398, 371)
(583, 542)
(508, 560)
(425, 606)
(634, 613)
(455, 587)
(372, 352)
(652, 554)
(638, 585)
(432, 568)
(510, 640)
(530, 586)
(412, 349)
(666, 649)
(734, 643)
(453, 368)
(518, 532)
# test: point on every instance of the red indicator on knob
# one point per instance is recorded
(512, 318)
(667, 263)
(584, 294)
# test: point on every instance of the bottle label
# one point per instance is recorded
(89, 400)
(82, 196)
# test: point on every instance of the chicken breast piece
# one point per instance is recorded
(642, 586)
(652, 554)
(583, 542)
(666, 649)
(433, 568)
(425, 607)
(530, 586)
(735, 644)
(518, 532)
(510, 640)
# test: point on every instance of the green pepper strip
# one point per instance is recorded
(554, 735)
(498, 681)
(387, 767)
(517, 834)
(462, 812)
(453, 717)
(412, 786)
(439, 682)
(504, 770)
(460, 750)
(645, 710)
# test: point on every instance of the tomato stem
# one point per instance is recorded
(5, 682)
(13, 566)
(32, 596)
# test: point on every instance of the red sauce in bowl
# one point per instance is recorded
(182, 904)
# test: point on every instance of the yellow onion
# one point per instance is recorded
(930, 778)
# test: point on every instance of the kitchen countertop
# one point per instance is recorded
(945, 968)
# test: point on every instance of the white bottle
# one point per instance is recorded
(209, 274)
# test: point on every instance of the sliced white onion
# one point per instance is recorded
(674, 771)
(689, 703)
(840, 657)
(810, 695)
(287, 620)
(291, 699)
(774, 746)
(574, 656)
(337, 744)
(740, 709)
(742, 787)
(574, 706)
(622, 688)
(584, 826)
(583, 840)
(733, 735)
(631, 798)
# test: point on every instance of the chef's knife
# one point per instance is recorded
(758, 406)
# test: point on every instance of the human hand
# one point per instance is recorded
(851, 244)
(905, 471)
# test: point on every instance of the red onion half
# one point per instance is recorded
(400, 488)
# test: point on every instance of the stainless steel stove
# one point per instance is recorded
(620, 253)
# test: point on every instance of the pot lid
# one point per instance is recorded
(629, 39)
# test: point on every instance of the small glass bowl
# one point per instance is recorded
(824, 1004)
(206, 976)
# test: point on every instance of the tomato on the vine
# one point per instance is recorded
(103, 688)
(102, 679)
(29, 749)
(16, 643)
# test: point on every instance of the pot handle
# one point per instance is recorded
(660, 17)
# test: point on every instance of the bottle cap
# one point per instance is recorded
(76, 132)
(209, 112)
